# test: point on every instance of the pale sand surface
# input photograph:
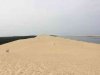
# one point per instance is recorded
(48, 55)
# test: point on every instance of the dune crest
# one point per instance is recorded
(49, 55)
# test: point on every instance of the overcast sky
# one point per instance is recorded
(63, 17)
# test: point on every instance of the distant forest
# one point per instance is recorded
(4, 40)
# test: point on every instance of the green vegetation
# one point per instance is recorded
(4, 40)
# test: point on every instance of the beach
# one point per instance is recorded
(49, 55)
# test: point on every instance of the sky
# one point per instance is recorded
(56, 17)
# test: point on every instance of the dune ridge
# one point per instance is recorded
(49, 55)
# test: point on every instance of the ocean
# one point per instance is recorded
(91, 39)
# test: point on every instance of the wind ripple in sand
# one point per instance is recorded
(44, 68)
(30, 69)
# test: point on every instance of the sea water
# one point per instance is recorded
(85, 38)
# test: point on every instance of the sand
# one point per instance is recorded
(49, 55)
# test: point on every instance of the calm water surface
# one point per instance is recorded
(85, 38)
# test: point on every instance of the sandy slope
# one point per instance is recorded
(48, 55)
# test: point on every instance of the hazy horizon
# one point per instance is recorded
(51, 17)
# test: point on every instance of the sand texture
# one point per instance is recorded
(49, 55)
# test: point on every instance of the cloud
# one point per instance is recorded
(63, 17)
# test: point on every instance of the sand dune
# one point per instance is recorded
(48, 55)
